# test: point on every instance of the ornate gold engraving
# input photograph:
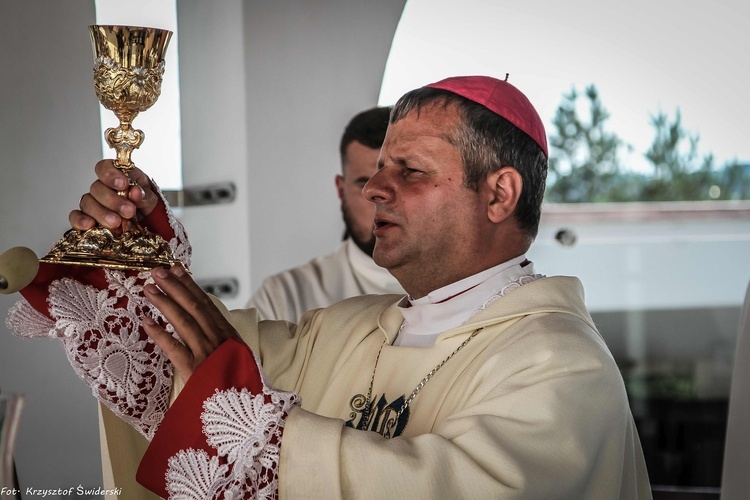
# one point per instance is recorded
(99, 247)
(128, 70)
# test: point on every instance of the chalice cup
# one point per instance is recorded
(128, 70)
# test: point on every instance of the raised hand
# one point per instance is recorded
(112, 197)
(197, 321)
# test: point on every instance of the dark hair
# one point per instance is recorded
(487, 142)
(367, 128)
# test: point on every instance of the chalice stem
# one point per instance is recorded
(124, 139)
(128, 70)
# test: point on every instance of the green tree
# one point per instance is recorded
(680, 173)
(585, 166)
(734, 181)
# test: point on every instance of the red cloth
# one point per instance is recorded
(232, 365)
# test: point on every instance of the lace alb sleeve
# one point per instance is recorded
(106, 347)
(97, 314)
(222, 437)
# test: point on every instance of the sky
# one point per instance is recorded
(644, 56)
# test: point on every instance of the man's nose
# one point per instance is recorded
(376, 189)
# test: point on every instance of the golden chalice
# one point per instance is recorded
(128, 70)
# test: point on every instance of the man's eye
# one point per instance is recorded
(410, 171)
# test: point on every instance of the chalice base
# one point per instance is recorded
(135, 249)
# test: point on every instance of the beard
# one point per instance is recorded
(367, 245)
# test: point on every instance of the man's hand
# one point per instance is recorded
(197, 321)
(104, 205)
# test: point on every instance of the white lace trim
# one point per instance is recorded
(104, 344)
(25, 321)
(195, 475)
(245, 429)
(513, 285)
(103, 340)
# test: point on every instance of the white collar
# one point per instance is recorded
(451, 305)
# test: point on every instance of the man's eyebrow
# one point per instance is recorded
(398, 160)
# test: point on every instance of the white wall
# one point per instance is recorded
(214, 130)
(651, 256)
(49, 142)
(310, 67)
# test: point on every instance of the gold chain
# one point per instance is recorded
(392, 421)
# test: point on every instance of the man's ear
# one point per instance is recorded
(340, 185)
(505, 187)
